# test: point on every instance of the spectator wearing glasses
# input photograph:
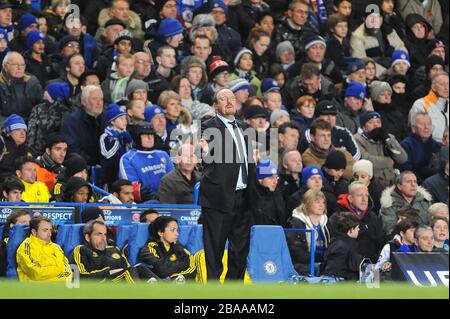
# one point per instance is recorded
(294, 27)
(19, 91)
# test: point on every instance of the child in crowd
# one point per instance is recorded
(271, 95)
(114, 142)
(338, 45)
(341, 257)
(405, 235)
(115, 86)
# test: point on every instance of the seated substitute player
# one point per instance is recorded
(169, 259)
(96, 260)
(38, 258)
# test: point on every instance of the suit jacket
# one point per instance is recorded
(218, 183)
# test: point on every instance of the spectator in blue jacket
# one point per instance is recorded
(144, 164)
(420, 147)
(88, 44)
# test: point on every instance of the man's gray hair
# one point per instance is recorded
(89, 226)
(419, 230)
(420, 114)
(8, 56)
(435, 79)
(399, 178)
(287, 152)
(87, 90)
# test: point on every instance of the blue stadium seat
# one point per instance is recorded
(1, 230)
(17, 235)
(123, 235)
(74, 238)
(269, 259)
(191, 237)
(61, 235)
(138, 237)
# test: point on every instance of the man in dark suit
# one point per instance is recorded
(228, 165)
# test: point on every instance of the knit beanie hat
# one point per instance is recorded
(75, 164)
(217, 66)
(214, 4)
(277, 114)
(151, 111)
(134, 85)
(367, 116)
(310, 171)
(58, 90)
(115, 21)
(400, 56)
(266, 168)
(255, 111)
(325, 107)
(14, 122)
(238, 84)
(91, 213)
(33, 37)
(353, 65)
(123, 35)
(113, 112)
(365, 166)
(285, 46)
(336, 160)
(314, 39)
(433, 44)
(269, 85)
(26, 20)
(238, 57)
(159, 4)
(396, 78)
(65, 40)
(356, 89)
(377, 88)
(169, 27)
(431, 61)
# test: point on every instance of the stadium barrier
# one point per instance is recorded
(115, 214)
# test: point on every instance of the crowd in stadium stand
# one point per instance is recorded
(116, 92)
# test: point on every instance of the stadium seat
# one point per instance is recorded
(74, 238)
(123, 235)
(1, 230)
(138, 237)
(269, 259)
(191, 237)
(61, 235)
(17, 235)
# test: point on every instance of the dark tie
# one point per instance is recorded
(241, 150)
